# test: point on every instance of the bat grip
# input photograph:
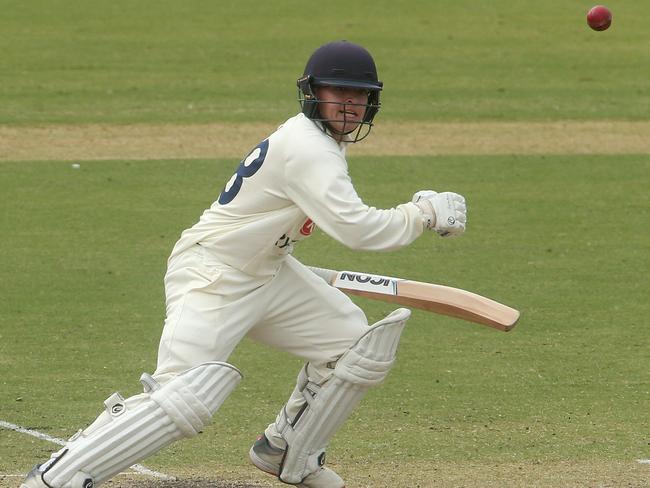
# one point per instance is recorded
(327, 274)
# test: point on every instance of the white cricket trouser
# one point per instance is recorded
(211, 307)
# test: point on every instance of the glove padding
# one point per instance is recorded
(444, 213)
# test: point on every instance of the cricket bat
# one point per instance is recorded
(440, 299)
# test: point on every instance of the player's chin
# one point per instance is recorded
(345, 127)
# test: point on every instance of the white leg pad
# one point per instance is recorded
(365, 364)
(180, 408)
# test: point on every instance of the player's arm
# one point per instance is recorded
(324, 191)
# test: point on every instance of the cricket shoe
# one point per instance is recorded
(33, 479)
(269, 458)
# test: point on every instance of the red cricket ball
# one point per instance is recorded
(599, 18)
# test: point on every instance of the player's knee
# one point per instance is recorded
(372, 356)
(191, 399)
(369, 357)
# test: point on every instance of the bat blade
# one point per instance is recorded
(445, 300)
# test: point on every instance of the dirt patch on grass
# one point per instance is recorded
(569, 474)
(218, 140)
(188, 482)
(584, 474)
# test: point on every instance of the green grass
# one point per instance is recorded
(562, 238)
(198, 61)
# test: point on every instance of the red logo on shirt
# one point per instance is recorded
(307, 227)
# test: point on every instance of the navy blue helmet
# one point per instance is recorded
(342, 64)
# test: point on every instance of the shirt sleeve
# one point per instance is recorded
(321, 186)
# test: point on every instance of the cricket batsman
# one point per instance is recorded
(232, 275)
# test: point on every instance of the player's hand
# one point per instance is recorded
(445, 213)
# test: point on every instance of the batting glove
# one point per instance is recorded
(444, 213)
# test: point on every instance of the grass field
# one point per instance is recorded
(167, 61)
(563, 400)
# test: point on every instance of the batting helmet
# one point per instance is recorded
(343, 64)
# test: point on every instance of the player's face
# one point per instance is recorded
(342, 107)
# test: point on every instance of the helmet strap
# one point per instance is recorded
(307, 97)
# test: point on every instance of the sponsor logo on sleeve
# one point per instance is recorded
(308, 227)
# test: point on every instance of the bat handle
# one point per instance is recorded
(327, 274)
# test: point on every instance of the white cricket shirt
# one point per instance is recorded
(295, 179)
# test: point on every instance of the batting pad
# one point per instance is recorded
(180, 408)
(365, 364)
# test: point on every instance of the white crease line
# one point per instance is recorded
(45, 437)
(140, 469)
(33, 433)
(643, 461)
